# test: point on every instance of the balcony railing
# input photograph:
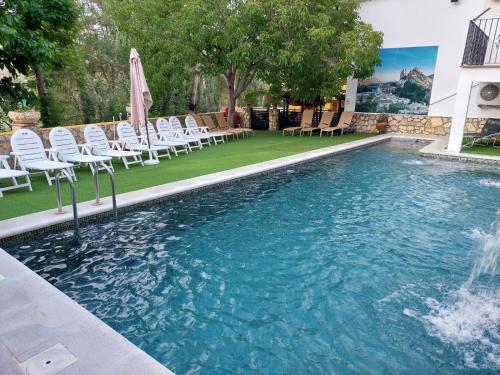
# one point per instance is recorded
(483, 42)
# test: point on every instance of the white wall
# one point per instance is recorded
(411, 23)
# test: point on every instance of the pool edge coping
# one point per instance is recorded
(37, 316)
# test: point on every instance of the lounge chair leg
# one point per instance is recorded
(49, 179)
(110, 165)
(28, 181)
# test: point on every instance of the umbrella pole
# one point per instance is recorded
(151, 161)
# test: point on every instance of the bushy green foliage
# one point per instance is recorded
(12, 93)
(307, 47)
(92, 83)
(32, 34)
(304, 47)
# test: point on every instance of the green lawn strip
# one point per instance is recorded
(261, 147)
(482, 150)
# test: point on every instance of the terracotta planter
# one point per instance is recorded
(381, 127)
(23, 120)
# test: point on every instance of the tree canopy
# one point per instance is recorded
(190, 49)
(306, 47)
(33, 33)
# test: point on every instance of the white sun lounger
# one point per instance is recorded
(64, 144)
(6, 173)
(177, 126)
(165, 129)
(193, 127)
(172, 137)
(101, 146)
(30, 155)
(175, 145)
(130, 141)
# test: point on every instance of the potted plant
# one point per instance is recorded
(382, 123)
(24, 116)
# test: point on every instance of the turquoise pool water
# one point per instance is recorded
(373, 262)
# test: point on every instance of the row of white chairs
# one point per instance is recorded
(31, 157)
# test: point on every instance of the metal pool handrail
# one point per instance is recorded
(61, 173)
(64, 173)
(96, 186)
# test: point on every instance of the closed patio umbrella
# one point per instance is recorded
(140, 97)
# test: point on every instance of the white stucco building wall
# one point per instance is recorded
(410, 23)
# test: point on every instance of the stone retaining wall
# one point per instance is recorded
(77, 130)
(413, 124)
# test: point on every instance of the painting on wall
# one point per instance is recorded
(402, 84)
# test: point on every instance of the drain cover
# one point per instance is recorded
(49, 362)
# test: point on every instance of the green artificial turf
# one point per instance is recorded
(261, 147)
(483, 150)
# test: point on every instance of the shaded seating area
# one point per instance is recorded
(224, 126)
(306, 122)
(210, 124)
(343, 125)
(324, 123)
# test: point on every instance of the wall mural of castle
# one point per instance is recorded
(402, 84)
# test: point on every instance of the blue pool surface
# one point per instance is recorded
(377, 261)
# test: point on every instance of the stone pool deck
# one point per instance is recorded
(42, 331)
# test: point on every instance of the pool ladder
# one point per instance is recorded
(64, 173)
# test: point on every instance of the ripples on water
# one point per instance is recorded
(337, 266)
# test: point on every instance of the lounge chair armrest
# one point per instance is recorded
(18, 160)
(4, 157)
(52, 153)
(85, 148)
(116, 145)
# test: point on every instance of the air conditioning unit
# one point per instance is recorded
(489, 95)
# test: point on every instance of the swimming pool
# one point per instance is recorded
(366, 262)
